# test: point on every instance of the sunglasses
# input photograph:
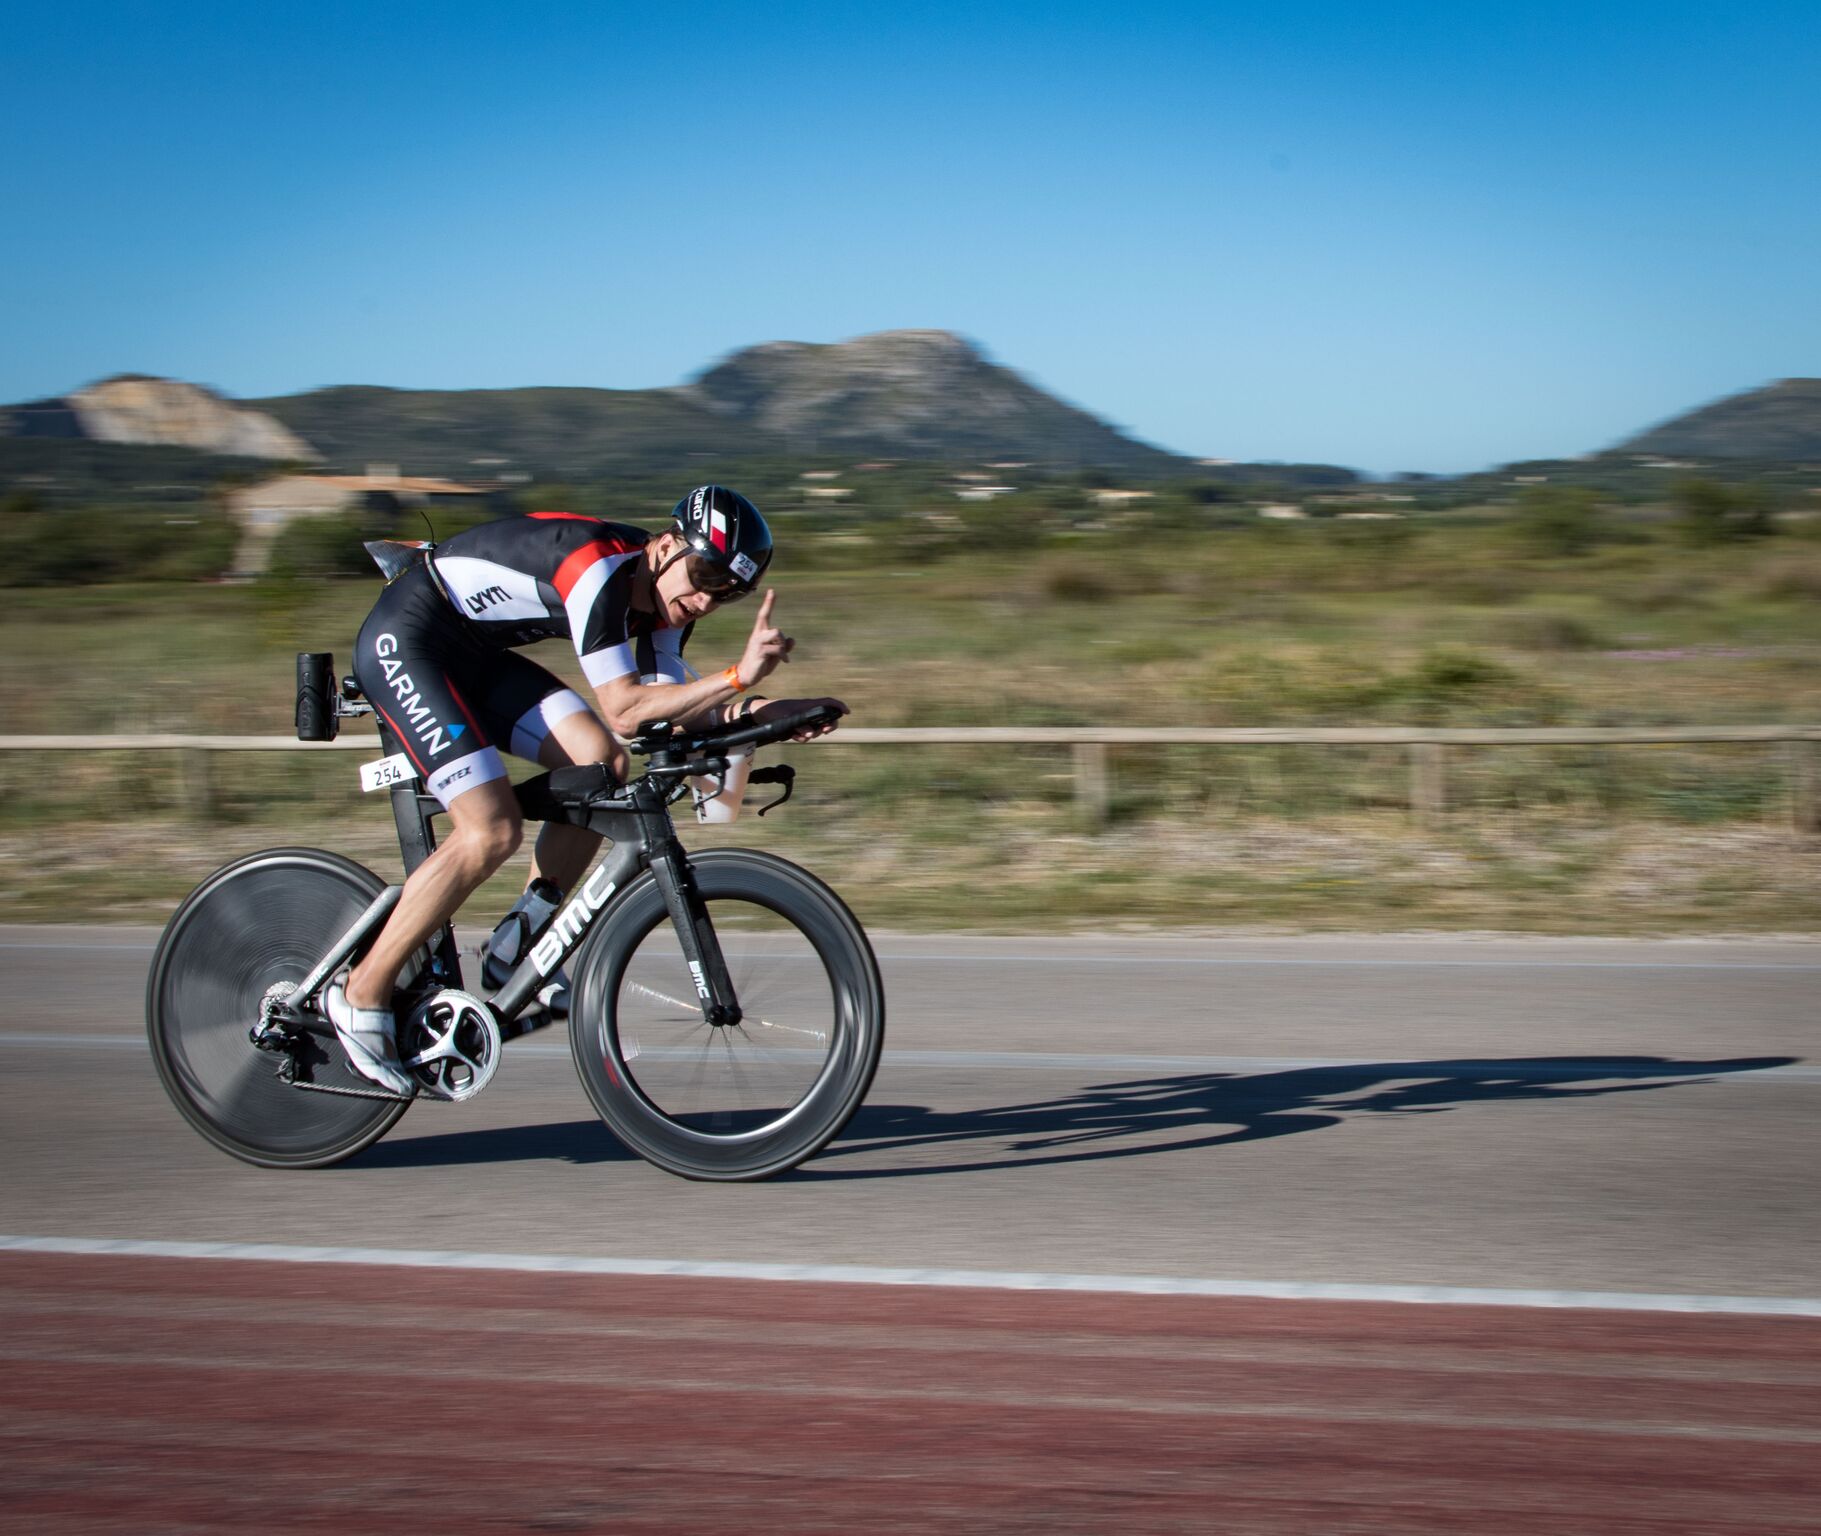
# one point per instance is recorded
(707, 578)
(712, 581)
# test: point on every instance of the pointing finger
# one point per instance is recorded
(764, 615)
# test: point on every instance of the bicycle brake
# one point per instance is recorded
(777, 773)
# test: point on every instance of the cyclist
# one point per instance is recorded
(436, 658)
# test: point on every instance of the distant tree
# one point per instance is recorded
(1708, 512)
(1557, 520)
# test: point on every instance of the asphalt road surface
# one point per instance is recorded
(1581, 1122)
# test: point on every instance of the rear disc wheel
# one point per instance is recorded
(253, 930)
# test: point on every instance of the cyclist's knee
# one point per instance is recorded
(487, 827)
(497, 839)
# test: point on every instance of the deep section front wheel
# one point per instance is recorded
(730, 1102)
(254, 928)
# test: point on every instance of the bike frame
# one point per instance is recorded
(639, 835)
(635, 820)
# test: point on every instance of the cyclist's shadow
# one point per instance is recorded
(1142, 1117)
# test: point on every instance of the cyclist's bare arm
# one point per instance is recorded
(627, 703)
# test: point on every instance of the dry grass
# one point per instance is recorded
(1249, 629)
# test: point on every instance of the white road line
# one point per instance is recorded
(1542, 1069)
(1063, 961)
(966, 1279)
(138, 949)
(1228, 961)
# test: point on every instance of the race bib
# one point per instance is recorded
(386, 772)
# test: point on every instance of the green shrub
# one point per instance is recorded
(327, 546)
(1664, 592)
(1445, 685)
(74, 548)
(1791, 579)
(1708, 512)
(1557, 521)
(1541, 630)
(1074, 581)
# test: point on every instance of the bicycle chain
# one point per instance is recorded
(354, 1093)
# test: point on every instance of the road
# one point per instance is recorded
(1608, 1126)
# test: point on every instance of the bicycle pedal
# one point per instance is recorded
(450, 1045)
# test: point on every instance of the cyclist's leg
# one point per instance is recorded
(418, 667)
(485, 830)
(563, 852)
(538, 716)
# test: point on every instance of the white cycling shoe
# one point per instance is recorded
(369, 1037)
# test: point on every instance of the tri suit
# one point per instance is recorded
(436, 656)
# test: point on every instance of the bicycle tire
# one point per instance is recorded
(259, 922)
(753, 1108)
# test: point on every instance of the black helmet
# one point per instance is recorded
(726, 530)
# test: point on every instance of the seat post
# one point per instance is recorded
(411, 809)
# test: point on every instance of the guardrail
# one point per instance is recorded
(1428, 747)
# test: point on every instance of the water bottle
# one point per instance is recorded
(718, 798)
(316, 695)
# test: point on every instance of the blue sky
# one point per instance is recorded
(1408, 236)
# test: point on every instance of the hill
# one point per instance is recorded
(1780, 422)
(920, 397)
(909, 394)
(547, 433)
(925, 395)
(134, 409)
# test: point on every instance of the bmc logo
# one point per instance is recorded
(487, 597)
(547, 953)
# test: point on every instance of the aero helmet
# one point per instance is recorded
(726, 530)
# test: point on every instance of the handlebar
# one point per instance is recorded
(665, 745)
(673, 757)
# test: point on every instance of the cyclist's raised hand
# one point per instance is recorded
(766, 646)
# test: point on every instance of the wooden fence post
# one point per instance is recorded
(1428, 780)
(198, 782)
(1804, 786)
(1092, 792)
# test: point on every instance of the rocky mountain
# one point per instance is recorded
(898, 395)
(1780, 421)
(908, 394)
(136, 409)
(927, 395)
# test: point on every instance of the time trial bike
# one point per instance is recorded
(727, 1012)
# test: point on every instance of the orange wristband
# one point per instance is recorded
(732, 678)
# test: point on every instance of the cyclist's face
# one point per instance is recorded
(690, 587)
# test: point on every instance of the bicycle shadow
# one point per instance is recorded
(1147, 1117)
(1137, 1117)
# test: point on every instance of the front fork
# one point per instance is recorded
(695, 932)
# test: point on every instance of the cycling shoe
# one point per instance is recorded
(369, 1038)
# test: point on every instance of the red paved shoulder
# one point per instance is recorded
(151, 1395)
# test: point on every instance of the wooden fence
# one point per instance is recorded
(1428, 748)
